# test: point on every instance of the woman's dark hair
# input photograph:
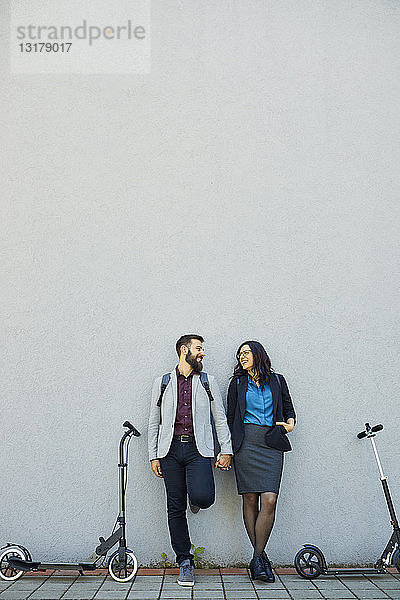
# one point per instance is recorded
(262, 363)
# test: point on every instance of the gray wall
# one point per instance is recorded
(246, 188)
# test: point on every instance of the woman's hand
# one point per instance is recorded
(289, 426)
(223, 462)
(156, 467)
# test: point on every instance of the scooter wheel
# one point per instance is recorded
(9, 573)
(308, 563)
(122, 573)
(396, 559)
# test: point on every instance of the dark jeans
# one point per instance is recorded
(186, 473)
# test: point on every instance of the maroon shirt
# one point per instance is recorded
(184, 420)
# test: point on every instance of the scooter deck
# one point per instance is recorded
(27, 565)
(354, 571)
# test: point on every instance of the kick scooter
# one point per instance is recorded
(15, 560)
(310, 561)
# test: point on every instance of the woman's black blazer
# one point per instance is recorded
(282, 410)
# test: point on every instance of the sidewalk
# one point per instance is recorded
(218, 584)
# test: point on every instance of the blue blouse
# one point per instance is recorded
(259, 407)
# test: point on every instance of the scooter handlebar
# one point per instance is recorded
(132, 428)
(368, 430)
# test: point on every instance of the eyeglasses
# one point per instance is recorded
(244, 353)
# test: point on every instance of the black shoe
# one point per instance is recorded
(257, 569)
(268, 568)
(195, 509)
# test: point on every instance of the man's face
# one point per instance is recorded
(195, 355)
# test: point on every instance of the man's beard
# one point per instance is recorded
(196, 365)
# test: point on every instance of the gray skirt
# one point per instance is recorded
(258, 468)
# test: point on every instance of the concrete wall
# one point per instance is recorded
(246, 188)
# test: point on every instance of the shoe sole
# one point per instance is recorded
(263, 578)
(186, 583)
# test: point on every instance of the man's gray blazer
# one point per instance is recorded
(161, 430)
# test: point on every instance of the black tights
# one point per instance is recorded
(259, 516)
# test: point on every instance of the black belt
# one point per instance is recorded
(183, 438)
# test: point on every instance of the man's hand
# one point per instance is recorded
(156, 467)
(289, 426)
(223, 462)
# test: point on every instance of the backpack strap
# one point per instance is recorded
(278, 380)
(204, 382)
(164, 382)
(167, 378)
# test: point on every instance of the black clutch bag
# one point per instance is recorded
(276, 437)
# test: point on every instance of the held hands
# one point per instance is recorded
(223, 462)
(156, 467)
(289, 426)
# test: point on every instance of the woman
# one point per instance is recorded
(260, 414)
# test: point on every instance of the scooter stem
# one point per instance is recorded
(377, 458)
(386, 491)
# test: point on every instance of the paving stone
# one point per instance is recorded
(86, 586)
(388, 585)
(268, 593)
(277, 585)
(350, 579)
(142, 595)
(332, 594)
(370, 594)
(300, 585)
(329, 585)
(359, 583)
(14, 595)
(22, 585)
(209, 586)
(170, 596)
(357, 589)
(111, 595)
(175, 587)
(141, 586)
(272, 593)
(206, 597)
(81, 595)
(234, 594)
(377, 578)
(305, 593)
(47, 594)
(244, 585)
(177, 594)
(208, 593)
(46, 587)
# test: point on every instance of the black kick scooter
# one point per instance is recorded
(15, 560)
(310, 561)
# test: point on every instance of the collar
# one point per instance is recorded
(179, 374)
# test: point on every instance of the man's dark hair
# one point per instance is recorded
(185, 340)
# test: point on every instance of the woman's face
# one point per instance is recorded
(246, 357)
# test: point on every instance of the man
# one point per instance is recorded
(181, 444)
